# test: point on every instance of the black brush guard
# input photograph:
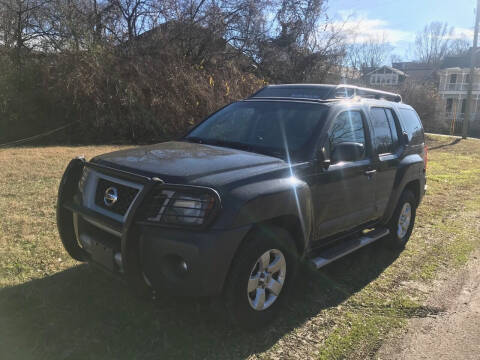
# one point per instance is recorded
(129, 232)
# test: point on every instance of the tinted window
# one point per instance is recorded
(347, 127)
(234, 127)
(262, 126)
(393, 126)
(382, 139)
(412, 126)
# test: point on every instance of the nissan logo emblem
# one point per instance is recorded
(111, 196)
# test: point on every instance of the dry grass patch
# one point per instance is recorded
(53, 307)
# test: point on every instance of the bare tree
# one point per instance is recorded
(459, 46)
(298, 20)
(209, 51)
(395, 58)
(365, 54)
(432, 43)
(132, 18)
(20, 23)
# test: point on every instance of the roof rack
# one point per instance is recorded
(322, 92)
(376, 94)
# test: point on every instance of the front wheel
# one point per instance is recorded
(403, 220)
(261, 277)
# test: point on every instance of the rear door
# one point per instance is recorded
(344, 193)
(385, 130)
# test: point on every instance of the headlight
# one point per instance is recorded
(171, 207)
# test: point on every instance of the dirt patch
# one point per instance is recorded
(452, 334)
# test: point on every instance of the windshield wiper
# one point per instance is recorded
(247, 147)
(194, 139)
(231, 144)
(237, 145)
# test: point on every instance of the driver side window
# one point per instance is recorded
(347, 127)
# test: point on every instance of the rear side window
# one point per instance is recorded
(393, 120)
(412, 126)
(385, 133)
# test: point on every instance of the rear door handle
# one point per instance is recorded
(370, 172)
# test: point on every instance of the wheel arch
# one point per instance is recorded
(414, 187)
(290, 223)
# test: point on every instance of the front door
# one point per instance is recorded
(344, 193)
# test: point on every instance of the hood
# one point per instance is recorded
(191, 163)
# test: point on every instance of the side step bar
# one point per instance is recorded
(347, 247)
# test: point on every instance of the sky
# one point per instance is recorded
(398, 20)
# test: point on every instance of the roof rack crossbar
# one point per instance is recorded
(336, 92)
(371, 93)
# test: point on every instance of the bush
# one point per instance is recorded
(115, 98)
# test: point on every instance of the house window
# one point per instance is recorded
(449, 106)
(453, 79)
(464, 106)
(467, 78)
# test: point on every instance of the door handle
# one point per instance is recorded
(370, 172)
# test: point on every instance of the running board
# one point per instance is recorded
(345, 248)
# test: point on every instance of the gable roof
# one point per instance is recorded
(399, 72)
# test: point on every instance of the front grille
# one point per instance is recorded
(126, 195)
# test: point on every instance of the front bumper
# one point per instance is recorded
(149, 257)
(207, 256)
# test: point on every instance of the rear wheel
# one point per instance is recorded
(261, 277)
(403, 220)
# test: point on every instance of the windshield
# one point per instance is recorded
(265, 127)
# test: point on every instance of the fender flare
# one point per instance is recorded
(410, 169)
(270, 199)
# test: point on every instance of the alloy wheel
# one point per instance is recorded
(266, 279)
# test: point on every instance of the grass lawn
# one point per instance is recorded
(52, 307)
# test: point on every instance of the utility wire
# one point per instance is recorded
(31, 138)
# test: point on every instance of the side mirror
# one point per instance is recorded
(323, 159)
(405, 138)
(348, 151)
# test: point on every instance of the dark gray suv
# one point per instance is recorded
(295, 172)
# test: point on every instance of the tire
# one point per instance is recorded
(66, 192)
(403, 220)
(248, 262)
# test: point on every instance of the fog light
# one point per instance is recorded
(174, 267)
(86, 242)
(183, 266)
(118, 260)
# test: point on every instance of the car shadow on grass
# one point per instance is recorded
(83, 313)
